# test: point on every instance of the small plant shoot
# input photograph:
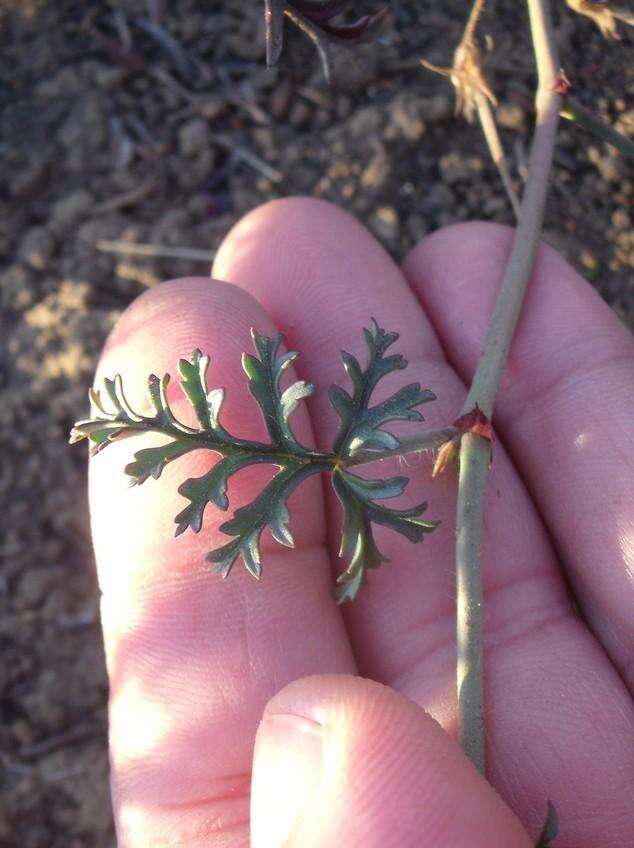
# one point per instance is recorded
(362, 436)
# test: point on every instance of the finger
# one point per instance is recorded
(193, 659)
(564, 409)
(321, 275)
(344, 761)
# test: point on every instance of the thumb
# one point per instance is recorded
(341, 761)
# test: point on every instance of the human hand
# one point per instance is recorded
(342, 761)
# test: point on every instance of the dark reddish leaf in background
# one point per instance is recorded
(314, 16)
(362, 30)
(319, 11)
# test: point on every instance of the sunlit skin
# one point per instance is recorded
(194, 660)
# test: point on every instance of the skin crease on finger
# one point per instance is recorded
(549, 683)
(196, 659)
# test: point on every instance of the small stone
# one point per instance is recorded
(66, 82)
(300, 114)
(24, 181)
(385, 224)
(280, 100)
(364, 122)
(17, 289)
(588, 260)
(343, 106)
(171, 228)
(194, 137)
(625, 123)
(457, 167)
(438, 198)
(416, 227)
(194, 173)
(321, 119)
(405, 118)
(86, 126)
(510, 116)
(496, 204)
(110, 77)
(614, 168)
(378, 169)
(211, 107)
(34, 587)
(621, 220)
(36, 248)
(69, 210)
(55, 604)
(198, 205)
(436, 109)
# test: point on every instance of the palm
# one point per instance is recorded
(194, 660)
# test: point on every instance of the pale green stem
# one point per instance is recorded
(425, 441)
(474, 458)
(475, 450)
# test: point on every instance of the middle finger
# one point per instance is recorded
(322, 277)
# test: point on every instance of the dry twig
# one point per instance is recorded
(128, 198)
(475, 96)
(155, 251)
(605, 15)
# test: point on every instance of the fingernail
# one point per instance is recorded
(286, 767)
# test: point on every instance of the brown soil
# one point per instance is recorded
(171, 144)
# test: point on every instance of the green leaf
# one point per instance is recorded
(550, 829)
(106, 426)
(211, 488)
(114, 390)
(361, 424)
(267, 510)
(157, 394)
(97, 431)
(150, 462)
(194, 383)
(207, 404)
(357, 497)
(265, 374)
(362, 427)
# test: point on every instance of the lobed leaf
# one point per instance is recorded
(193, 372)
(361, 424)
(207, 404)
(277, 406)
(150, 462)
(211, 488)
(362, 427)
(357, 497)
(267, 510)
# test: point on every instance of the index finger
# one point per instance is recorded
(193, 659)
(564, 409)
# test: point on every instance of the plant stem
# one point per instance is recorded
(475, 450)
(492, 138)
(469, 620)
(427, 440)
